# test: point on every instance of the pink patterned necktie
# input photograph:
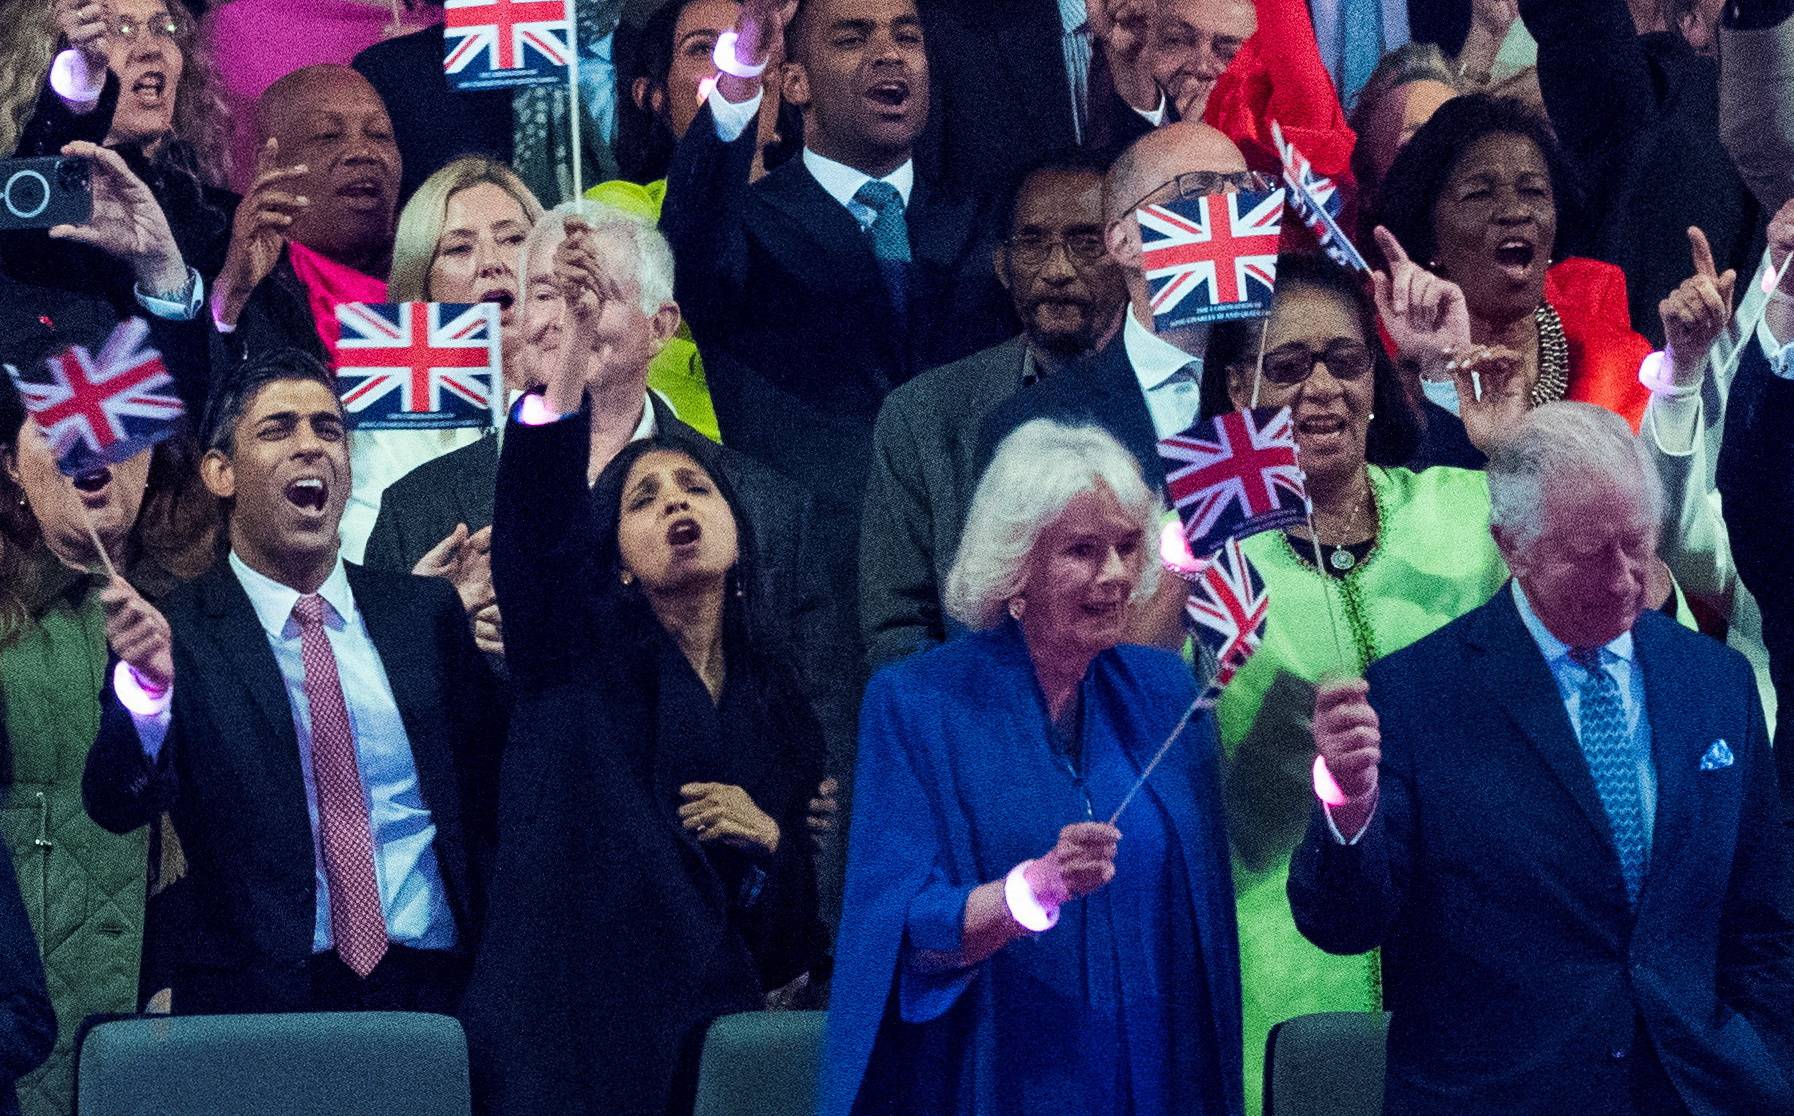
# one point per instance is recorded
(357, 920)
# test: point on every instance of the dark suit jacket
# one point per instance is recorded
(277, 315)
(786, 302)
(1756, 481)
(1102, 390)
(1638, 116)
(27, 1022)
(433, 123)
(229, 774)
(1002, 100)
(1517, 973)
(924, 470)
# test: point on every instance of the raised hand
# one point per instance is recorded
(1492, 393)
(1082, 862)
(1121, 27)
(824, 808)
(723, 812)
(464, 559)
(1424, 313)
(83, 26)
(585, 286)
(138, 634)
(758, 30)
(126, 221)
(1347, 738)
(1696, 312)
(258, 233)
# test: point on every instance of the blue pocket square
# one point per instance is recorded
(1718, 757)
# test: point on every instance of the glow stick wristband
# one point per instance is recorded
(1326, 788)
(532, 410)
(136, 694)
(1024, 906)
(1655, 373)
(723, 57)
(1174, 551)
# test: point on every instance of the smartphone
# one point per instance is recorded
(39, 193)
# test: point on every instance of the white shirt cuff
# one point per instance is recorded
(732, 119)
(78, 86)
(1780, 356)
(1157, 116)
(150, 713)
(1333, 828)
(183, 307)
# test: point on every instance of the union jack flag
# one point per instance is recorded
(1211, 258)
(417, 365)
(493, 43)
(101, 410)
(1317, 202)
(1227, 607)
(1235, 475)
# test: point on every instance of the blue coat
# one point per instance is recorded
(1520, 979)
(957, 783)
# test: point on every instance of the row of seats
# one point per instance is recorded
(754, 1064)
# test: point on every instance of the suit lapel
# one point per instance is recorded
(1521, 683)
(1677, 742)
(238, 634)
(822, 221)
(1121, 404)
(1026, 35)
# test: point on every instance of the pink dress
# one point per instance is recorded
(254, 43)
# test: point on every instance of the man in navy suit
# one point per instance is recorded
(839, 275)
(1559, 817)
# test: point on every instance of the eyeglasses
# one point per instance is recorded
(159, 27)
(1290, 365)
(1034, 249)
(1196, 184)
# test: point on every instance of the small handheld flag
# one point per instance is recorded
(491, 44)
(1235, 475)
(99, 410)
(418, 365)
(1316, 200)
(1212, 258)
(1227, 608)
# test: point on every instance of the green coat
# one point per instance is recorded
(1434, 560)
(83, 887)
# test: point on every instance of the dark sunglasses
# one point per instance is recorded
(1290, 365)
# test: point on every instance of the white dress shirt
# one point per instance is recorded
(1170, 379)
(411, 890)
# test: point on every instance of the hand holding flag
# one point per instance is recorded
(1348, 741)
(138, 634)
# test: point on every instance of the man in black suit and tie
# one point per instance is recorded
(838, 276)
(1140, 386)
(1070, 297)
(325, 737)
(1559, 817)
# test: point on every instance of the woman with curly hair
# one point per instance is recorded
(85, 890)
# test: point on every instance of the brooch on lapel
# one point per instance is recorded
(1718, 757)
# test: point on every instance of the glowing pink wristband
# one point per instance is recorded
(723, 57)
(1326, 788)
(73, 81)
(1656, 374)
(136, 694)
(533, 411)
(1175, 554)
(1024, 906)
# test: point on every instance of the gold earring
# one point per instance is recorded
(1016, 605)
(626, 578)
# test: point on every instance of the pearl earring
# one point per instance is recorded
(626, 578)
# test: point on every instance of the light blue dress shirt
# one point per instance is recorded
(411, 890)
(1619, 661)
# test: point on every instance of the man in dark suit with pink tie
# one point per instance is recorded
(1559, 818)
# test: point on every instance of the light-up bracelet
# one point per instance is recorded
(1174, 551)
(136, 694)
(723, 57)
(1024, 906)
(74, 81)
(1656, 373)
(1326, 787)
(533, 410)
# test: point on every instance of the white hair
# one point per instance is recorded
(1038, 470)
(1559, 440)
(652, 256)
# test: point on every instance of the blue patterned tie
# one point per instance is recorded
(1608, 746)
(890, 243)
(1361, 28)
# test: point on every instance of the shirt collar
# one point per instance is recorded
(1550, 646)
(274, 602)
(1153, 358)
(1073, 15)
(842, 182)
(648, 427)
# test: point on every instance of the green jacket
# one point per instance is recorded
(83, 887)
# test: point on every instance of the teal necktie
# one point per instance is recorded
(890, 245)
(1608, 746)
(1361, 29)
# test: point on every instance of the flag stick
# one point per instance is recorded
(99, 547)
(1320, 566)
(1730, 363)
(573, 95)
(1258, 369)
(1210, 694)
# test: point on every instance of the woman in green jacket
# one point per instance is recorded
(84, 888)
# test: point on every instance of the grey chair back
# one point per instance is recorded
(1328, 1064)
(761, 1063)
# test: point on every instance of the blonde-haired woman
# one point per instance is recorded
(1001, 948)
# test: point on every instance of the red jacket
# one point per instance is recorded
(1590, 297)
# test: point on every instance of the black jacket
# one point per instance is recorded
(27, 1023)
(433, 123)
(229, 774)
